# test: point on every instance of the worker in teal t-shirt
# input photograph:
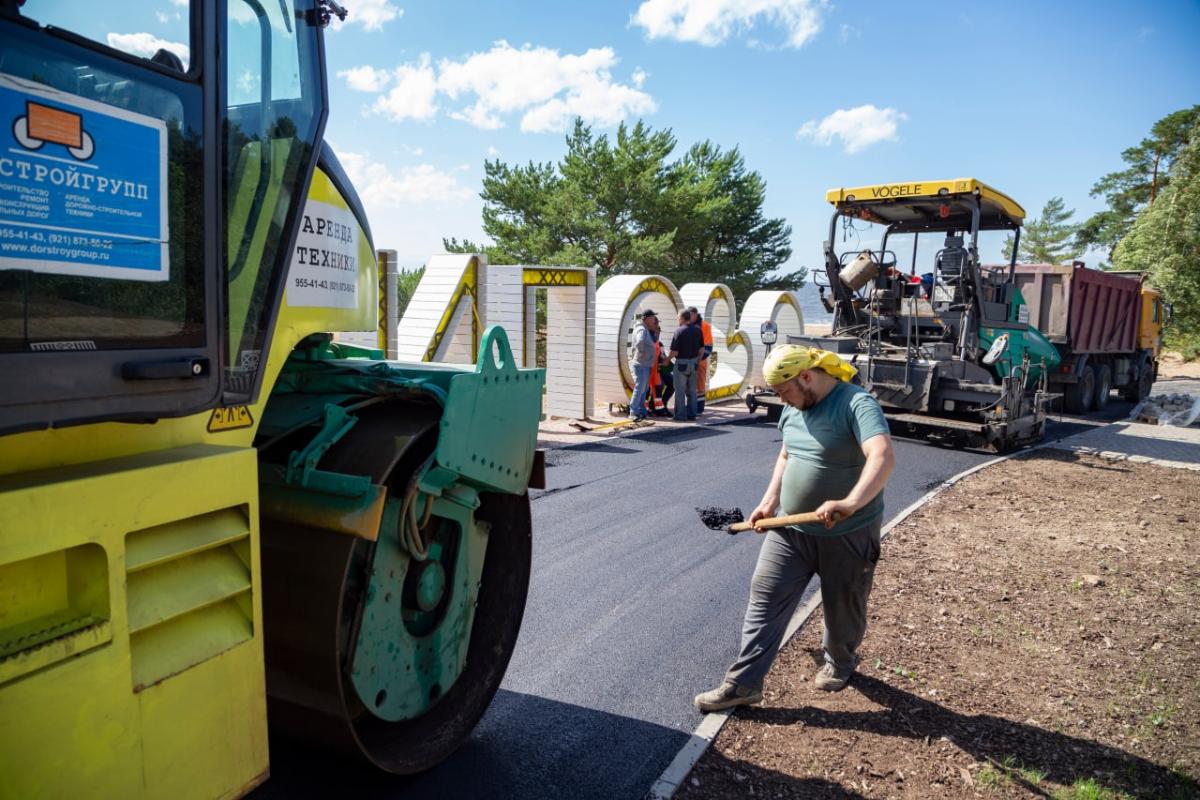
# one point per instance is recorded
(835, 459)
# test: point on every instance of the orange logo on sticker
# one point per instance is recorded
(42, 124)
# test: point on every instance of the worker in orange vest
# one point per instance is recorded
(702, 371)
(655, 380)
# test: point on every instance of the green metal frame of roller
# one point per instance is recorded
(404, 661)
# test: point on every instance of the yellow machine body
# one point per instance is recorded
(991, 200)
(131, 634)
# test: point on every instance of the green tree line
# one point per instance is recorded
(622, 205)
(1152, 222)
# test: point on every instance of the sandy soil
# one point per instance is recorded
(1172, 365)
(1033, 633)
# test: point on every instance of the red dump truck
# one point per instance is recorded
(1106, 325)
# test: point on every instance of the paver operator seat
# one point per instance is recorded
(948, 266)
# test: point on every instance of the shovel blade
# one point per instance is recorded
(719, 519)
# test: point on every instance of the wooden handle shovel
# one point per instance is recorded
(780, 522)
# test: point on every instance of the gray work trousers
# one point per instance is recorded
(685, 376)
(787, 561)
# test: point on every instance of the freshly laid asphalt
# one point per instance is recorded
(634, 607)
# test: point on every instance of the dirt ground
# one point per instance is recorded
(1033, 633)
(1172, 365)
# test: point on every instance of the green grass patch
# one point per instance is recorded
(1033, 777)
(999, 775)
(1186, 787)
(991, 778)
(1089, 789)
(903, 672)
(1162, 714)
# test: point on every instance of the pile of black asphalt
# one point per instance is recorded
(719, 519)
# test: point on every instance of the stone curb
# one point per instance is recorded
(1113, 455)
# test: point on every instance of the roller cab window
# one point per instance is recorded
(273, 119)
(147, 188)
(105, 296)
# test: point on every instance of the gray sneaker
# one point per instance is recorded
(727, 695)
(831, 679)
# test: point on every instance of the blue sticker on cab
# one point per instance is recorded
(82, 186)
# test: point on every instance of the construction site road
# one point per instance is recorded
(634, 607)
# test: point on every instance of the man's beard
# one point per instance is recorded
(807, 399)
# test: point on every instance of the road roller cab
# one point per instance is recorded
(212, 512)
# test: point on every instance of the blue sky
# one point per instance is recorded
(1036, 98)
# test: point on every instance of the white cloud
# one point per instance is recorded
(546, 87)
(848, 32)
(371, 14)
(711, 22)
(492, 151)
(162, 16)
(146, 45)
(414, 94)
(247, 82)
(365, 78)
(858, 127)
(381, 187)
(180, 3)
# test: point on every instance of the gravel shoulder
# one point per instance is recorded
(1033, 633)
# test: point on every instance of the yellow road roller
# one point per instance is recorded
(214, 513)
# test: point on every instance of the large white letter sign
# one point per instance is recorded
(618, 301)
(727, 370)
(570, 325)
(782, 308)
(442, 321)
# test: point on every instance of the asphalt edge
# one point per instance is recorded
(698, 743)
(617, 430)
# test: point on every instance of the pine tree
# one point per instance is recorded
(1137, 186)
(1049, 239)
(621, 206)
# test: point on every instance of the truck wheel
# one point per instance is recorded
(1077, 397)
(1103, 386)
(1139, 390)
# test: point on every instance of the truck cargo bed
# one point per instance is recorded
(1085, 309)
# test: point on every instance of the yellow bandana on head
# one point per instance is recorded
(787, 361)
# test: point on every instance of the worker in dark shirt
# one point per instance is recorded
(705, 364)
(686, 347)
